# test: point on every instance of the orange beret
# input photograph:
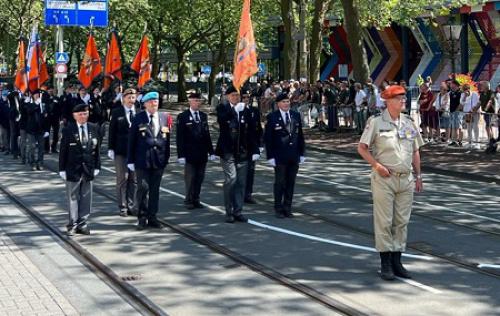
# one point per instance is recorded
(392, 91)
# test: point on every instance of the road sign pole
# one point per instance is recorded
(60, 46)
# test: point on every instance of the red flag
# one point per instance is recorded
(21, 82)
(113, 67)
(44, 73)
(245, 57)
(91, 64)
(141, 63)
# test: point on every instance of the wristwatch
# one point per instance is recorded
(419, 176)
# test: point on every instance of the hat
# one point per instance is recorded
(37, 91)
(392, 91)
(194, 95)
(151, 96)
(80, 108)
(282, 96)
(129, 91)
(231, 89)
(245, 92)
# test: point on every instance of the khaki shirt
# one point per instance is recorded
(392, 143)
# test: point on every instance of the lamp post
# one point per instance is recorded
(452, 33)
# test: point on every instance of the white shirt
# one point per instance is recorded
(193, 115)
(359, 99)
(442, 102)
(497, 104)
(469, 101)
(127, 113)
(80, 131)
(156, 122)
(283, 115)
(380, 102)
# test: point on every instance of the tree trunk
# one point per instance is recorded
(290, 46)
(320, 8)
(354, 30)
(155, 56)
(181, 75)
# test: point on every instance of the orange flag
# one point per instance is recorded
(245, 57)
(21, 82)
(113, 67)
(38, 69)
(91, 64)
(141, 63)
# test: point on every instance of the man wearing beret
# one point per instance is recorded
(37, 126)
(236, 146)
(119, 127)
(148, 152)
(194, 147)
(285, 149)
(394, 141)
(79, 163)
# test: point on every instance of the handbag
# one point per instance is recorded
(468, 118)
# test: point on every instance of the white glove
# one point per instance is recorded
(272, 162)
(96, 172)
(46, 134)
(239, 107)
(255, 157)
(131, 167)
(111, 154)
(261, 149)
(212, 157)
(302, 159)
(62, 174)
(181, 161)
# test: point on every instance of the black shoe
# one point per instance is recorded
(131, 213)
(453, 144)
(386, 272)
(289, 215)
(7, 153)
(154, 223)
(230, 219)
(123, 213)
(15, 156)
(190, 206)
(241, 218)
(198, 205)
(39, 167)
(33, 168)
(397, 267)
(460, 144)
(141, 224)
(250, 200)
(279, 214)
(71, 231)
(55, 151)
(83, 230)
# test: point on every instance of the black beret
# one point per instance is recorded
(37, 91)
(282, 96)
(245, 92)
(231, 89)
(80, 108)
(194, 95)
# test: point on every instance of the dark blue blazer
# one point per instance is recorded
(145, 150)
(193, 139)
(76, 159)
(118, 131)
(236, 137)
(283, 145)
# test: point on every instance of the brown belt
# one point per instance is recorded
(400, 174)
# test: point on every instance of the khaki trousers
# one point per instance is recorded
(392, 202)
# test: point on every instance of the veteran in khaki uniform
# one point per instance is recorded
(394, 141)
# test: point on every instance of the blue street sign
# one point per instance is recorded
(206, 69)
(262, 69)
(62, 58)
(79, 13)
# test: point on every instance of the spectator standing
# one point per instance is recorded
(471, 107)
(360, 103)
(456, 115)
(442, 106)
(487, 102)
(427, 113)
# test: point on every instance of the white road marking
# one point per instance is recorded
(420, 285)
(286, 231)
(491, 266)
(436, 207)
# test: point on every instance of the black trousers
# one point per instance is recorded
(333, 119)
(250, 178)
(284, 183)
(194, 174)
(54, 125)
(14, 135)
(148, 192)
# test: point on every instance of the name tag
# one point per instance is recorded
(278, 128)
(142, 128)
(189, 123)
(72, 144)
(121, 118)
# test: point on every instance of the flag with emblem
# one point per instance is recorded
(21, 81)
(113, 66)
(142, 64)
(91, 63)
(245, 57)
(36, 68)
